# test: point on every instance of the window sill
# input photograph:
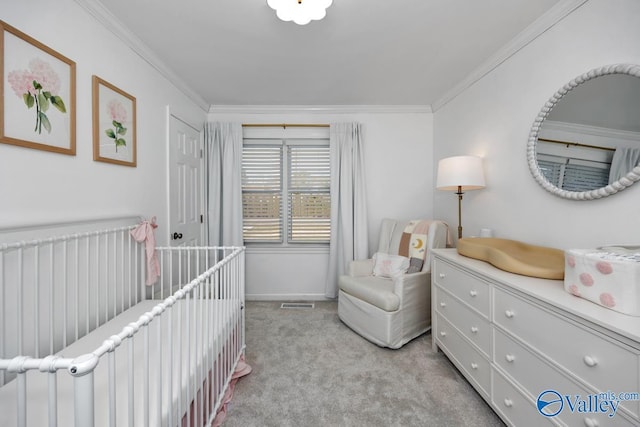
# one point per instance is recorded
(292, 249)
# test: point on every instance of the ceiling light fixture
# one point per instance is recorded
(300, 11)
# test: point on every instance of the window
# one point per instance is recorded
(574, 175)
(574, 167)
(286, 191)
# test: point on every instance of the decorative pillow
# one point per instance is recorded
(385, 265)
(415, 265)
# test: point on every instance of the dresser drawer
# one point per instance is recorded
(468, 288)
(468, 322)
(469, 360)
(535, 376)
(515, 409)
(601, 363)
(530, 371)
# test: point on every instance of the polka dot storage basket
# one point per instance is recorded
(608, 276)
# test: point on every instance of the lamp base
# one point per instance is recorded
(459, 193)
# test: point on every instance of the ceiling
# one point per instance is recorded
(365, 52)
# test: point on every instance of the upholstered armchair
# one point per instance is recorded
(387, 299)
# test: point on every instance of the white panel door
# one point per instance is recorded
(185, 184)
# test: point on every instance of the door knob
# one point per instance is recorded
(177, 236)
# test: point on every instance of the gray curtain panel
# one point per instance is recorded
(223, 147)
(349, 228)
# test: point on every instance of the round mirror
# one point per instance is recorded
(585, 142)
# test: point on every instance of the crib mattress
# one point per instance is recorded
(224, 325)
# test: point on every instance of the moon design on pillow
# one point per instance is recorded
(418, 243)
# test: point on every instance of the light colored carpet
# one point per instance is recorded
(309, 369)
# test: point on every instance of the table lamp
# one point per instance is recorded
(460, 174)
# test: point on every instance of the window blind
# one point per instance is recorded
(262, 193)
(286, 195)
(572, 175)
(309, 199)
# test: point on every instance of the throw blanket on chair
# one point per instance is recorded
(413, 244)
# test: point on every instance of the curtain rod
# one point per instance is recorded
(283, 125)
(576, 144)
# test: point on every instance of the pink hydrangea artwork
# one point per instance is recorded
(118, 115)
(38, 86)
(607, 300)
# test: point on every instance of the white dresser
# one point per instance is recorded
(514, 337)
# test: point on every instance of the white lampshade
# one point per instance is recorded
(460, 171)
(301, 12)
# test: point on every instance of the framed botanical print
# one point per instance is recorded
(38, 90)
(114, 124)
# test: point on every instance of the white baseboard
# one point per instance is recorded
(286, 297)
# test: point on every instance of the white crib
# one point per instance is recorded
(84, 342)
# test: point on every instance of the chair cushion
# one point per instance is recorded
(377, 291)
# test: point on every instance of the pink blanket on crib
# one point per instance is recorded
(242, 369)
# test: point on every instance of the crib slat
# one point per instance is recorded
(65, 294)
(188, 356)
(20, 282)
(131, 384)
(180, 339)
(87, 281)
(111, 357)
(53, 399)
(158, 359)
(84, 412)
(77, 292)
(145, 370)
(107, 284)
(51, 301)
(130, 269)
(199, 350)
(142, 269)
(170, 366)
(21, 384)
(98, 285)
(122, 271)
(36, 301)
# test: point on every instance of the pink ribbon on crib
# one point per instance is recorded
(144, 232)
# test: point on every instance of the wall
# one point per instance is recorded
(398, 149)
(493, 119)
(42, 187)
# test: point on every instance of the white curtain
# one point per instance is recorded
(223, 145)
(623, 162)
(349, 228)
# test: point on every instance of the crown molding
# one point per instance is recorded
(529, 34)
(113, 24)
(320, 109)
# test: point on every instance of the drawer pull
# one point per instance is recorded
(590, 422)
(474, 329)
(442, 275)
(509, 313)
(510, 358)
(473, 293)
(474, 366)
(590, 361)
(443, 304)
(508, 403)
(443, 334)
